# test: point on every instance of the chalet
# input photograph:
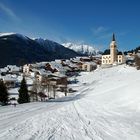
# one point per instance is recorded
(3, 71)
(27, 68)
(13, 69)
(89, 66)
(85, 59)
(9, 81)
(41, 75)
(30, 69)
(55, 67)
(57, 80)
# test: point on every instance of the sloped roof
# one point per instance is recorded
(120, 53)
(106, 52)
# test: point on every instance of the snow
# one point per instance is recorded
(6, 34)
(16, 34)
(81, 48)
(106, 107)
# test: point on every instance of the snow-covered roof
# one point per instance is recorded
(41, 64)
(59, 75)
(3, 70)
(13, 68)
(42, 71)
(90, 63)
(57, 66)
(8, 78)
(58, 60)
(84, 57)
(66, 68)
(70, 64)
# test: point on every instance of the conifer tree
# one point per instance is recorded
(23, 93)
(3, 93)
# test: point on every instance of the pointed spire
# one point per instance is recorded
(113, 39)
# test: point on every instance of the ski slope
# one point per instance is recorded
(106, 107)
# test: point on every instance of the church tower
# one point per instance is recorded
(113, 50)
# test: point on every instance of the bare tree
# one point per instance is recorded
(137, 61)
(34, 90)
(54, 91)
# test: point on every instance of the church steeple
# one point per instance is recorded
(113, 39)
(113, 50)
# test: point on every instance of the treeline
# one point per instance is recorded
(136, 50)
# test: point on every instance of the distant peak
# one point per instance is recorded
(81, 48)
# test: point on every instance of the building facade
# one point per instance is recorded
(112, 56)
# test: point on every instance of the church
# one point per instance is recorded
(112, 55)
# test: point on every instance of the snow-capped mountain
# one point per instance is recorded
(16, 48)
(4, 35)
(82, 48)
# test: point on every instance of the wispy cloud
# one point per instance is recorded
(101, 32)
(9, 12)
(98, 30)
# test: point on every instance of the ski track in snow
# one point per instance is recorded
(106, 107)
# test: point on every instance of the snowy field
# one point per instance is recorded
(106, 107)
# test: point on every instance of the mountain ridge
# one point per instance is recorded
(17, 49)
(83, 49)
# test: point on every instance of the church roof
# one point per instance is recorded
(120, 53)
(113, 38)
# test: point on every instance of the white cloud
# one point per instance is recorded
(9, 12)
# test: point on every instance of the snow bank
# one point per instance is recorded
(106, 107)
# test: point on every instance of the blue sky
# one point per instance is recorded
(80, 21)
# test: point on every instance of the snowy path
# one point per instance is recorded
(107, 107)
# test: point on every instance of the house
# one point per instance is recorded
(85, 59)
(3, 71)
(9, 81)
(13, 69)
(112, 56)
(41, 76)
(58, 81)
(55, 67)
(30, 69)
(89, 66)
(26, 69)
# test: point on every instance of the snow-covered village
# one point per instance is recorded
(92, 97)
(69, 70)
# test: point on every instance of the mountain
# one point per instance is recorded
(18, 49)
(82, 48)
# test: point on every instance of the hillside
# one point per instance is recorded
(19, 49)
(106, 107)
